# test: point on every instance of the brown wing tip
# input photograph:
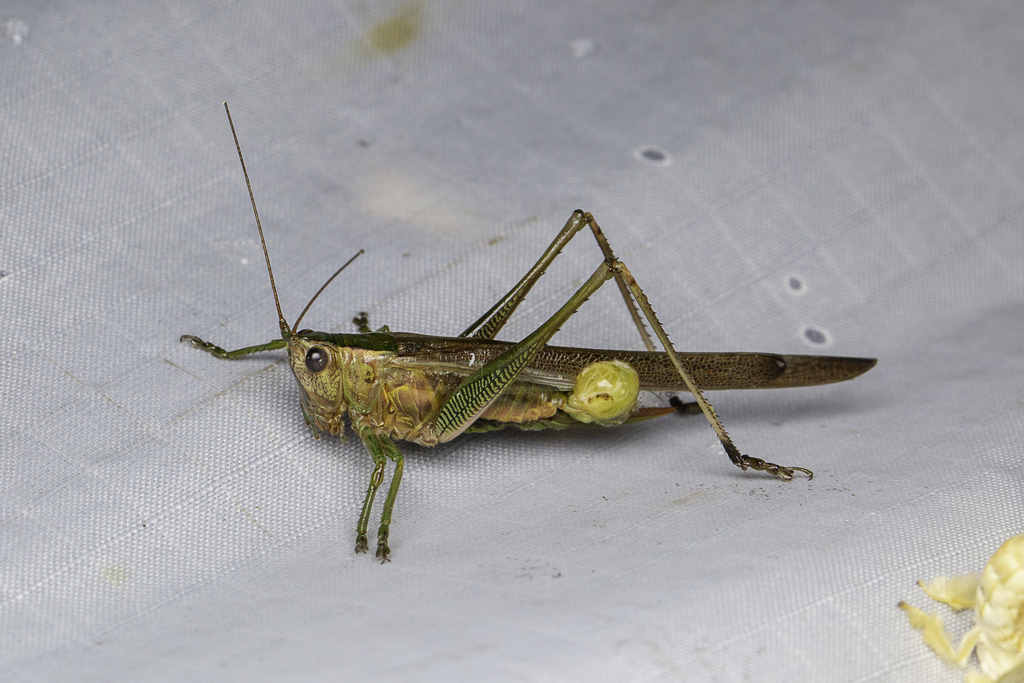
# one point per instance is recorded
(859, 365)
(808, 371)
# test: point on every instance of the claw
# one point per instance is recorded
(383, 552)
(783, 473)
(361, 544)
(362, 321)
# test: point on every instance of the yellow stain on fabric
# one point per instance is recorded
(398, 31)
(388, 36)
(116, 575)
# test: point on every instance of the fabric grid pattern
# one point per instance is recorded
(795, 177)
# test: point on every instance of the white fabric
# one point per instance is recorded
(167, 516)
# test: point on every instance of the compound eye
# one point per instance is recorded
(316, 359)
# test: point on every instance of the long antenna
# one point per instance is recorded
(324, 286)
(280, 316)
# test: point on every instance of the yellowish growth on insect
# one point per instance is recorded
(997, 597)
(605, 393)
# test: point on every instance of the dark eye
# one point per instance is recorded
(316, 359)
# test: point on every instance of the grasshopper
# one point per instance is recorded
(429, 390)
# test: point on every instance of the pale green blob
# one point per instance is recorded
(605, 393)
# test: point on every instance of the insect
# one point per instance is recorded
(997, 597)
(429, 390)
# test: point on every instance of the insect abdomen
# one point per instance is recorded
(525, 402)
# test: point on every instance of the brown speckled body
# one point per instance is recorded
(396, 399)
(398, 393)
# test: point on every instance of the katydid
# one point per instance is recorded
(429, 390)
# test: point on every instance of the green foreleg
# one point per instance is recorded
(218, 352)
(373, 446)
(493, 320)
(391, 450)
(381, 449)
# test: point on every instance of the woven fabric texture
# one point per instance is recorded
(798, 177)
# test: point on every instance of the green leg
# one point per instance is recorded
(391, 450)
(373, 445)
(218, 352)
(471, 398)
(381, 449)
(690, 408)
(491, 322)
(362, 321)
(606, 249)
(742, 461)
